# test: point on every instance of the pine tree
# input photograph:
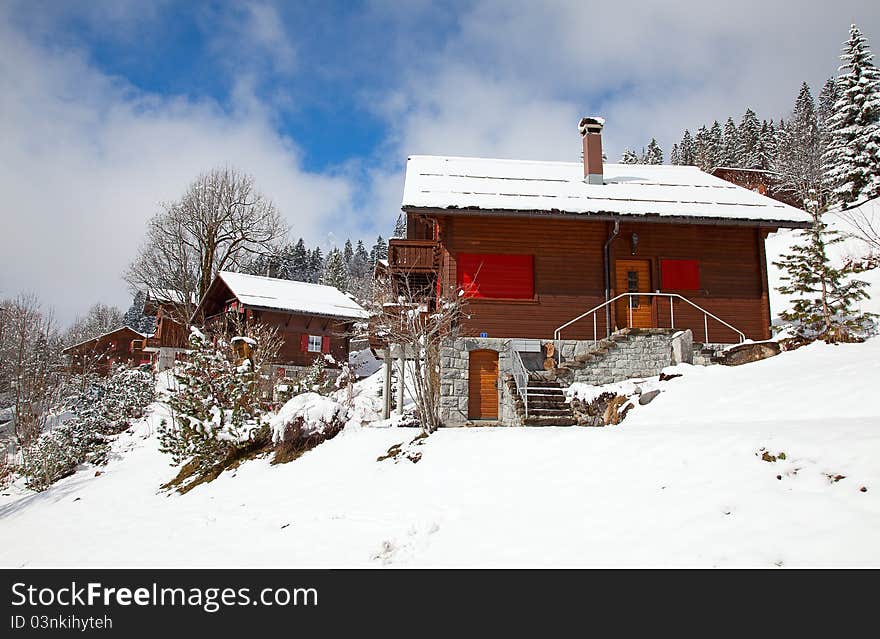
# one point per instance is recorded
(747, 150)
(714, 146)
(629, 157)
(400, 227)
(675, 156)
(730, 144)
(379, 251)
(348, 254)
(335, 273)
(654, 154)
(298, 268)
(767, 145)
(797, 164)
(134, 317)
(316, 265)
(853, 159)
(825, 110)
(702, 148)
(360, 262)
(686, 150)
(823, 297)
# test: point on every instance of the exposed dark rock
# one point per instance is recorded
(747, 353)
(647, 398)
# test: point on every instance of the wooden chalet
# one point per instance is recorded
(313, 320)
(578, 251)
(169, 339)
(539, 243)
(100, 354)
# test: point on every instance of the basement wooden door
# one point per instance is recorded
(483, 385)
(633, 276)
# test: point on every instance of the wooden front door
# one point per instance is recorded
(633, 276)
(483, 385)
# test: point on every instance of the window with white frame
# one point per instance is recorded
(314, 343)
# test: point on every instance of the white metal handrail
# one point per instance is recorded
(521, 377)
(706, 315)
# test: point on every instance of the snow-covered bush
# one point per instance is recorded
(219, 408)
(57, 453)
(92, 410)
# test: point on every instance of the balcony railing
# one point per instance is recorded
(412, 256)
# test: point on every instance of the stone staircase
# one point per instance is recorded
(547, 405)
(707, 354)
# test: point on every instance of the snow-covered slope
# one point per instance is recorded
(680, 482)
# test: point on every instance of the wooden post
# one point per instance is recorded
(386, 390)
(401, 382)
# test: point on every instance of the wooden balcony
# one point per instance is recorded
(412, 256)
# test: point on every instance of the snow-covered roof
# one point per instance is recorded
(169, 296)
(107, 334)
(629, 189)
(287, 295)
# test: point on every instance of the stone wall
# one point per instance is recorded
(454, 362)
(635, 353)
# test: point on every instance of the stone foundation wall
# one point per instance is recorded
(454, 362)
(643, 353)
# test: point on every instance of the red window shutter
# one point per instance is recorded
(496, 276)
(325, 344)
(682, 275)
(304, 343)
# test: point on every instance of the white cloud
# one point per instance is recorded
(86, 157)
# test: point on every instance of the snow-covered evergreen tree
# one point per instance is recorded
(335, 273)
(798, 166)
(379, 250)
(730, 144)
(767, 145)
(823, 296)
(686, 150)
(702, 148)
(316, 265)
(654, 154)
(824, 111)
(853, 158)
(749, 131)
(360, 262)
(347, 254)
(629, 157)
(674, 155)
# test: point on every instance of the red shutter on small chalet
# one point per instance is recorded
(496, 276)
(304, 343)
(325, 344)
(682, 275)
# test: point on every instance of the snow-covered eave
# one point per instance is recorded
(608, 215)
(294, 311)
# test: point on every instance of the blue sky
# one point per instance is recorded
(107, 108)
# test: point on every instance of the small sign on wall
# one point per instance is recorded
(484, 334)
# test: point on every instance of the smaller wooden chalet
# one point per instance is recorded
(312, 319)
(757, 180)
(100, 354)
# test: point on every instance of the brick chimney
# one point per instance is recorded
(591, 129)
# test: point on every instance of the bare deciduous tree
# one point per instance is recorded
(220, 222)
(99, 319)
(403, 319)
(864, 222)
(30, 365)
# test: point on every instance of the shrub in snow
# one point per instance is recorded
(220, 406)
(92, 411)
